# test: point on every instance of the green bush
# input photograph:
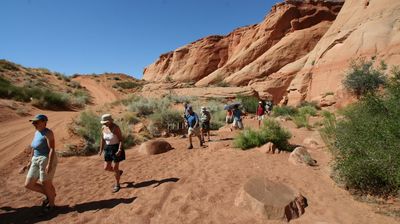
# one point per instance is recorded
(164, 120)
(127, 85)
(80, 98)
(366, 142)
(43, 98)
(302, 116)
(284, 111)
(363, 78)
(271, 131)
(249, 103)
(328, 129)
(143, 106)
(87, 126)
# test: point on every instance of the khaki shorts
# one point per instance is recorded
(260, 118)
(194, 131)
(37, 170)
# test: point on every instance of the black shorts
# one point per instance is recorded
(110, 153)
(205, 125)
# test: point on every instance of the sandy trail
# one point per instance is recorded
(183, 186)
(100, 93)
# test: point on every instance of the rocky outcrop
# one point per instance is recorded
(299, 52)
(289, 32)
(369, 29)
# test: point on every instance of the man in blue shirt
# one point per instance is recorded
(194, 127)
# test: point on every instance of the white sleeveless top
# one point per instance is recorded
(110, 138)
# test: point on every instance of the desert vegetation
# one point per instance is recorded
(365, 139)
(271, 131)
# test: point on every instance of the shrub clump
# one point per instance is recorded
(284, 111)
(164, 120)
(249, 103)
(271, 131)
(366, 141)
(363, 77)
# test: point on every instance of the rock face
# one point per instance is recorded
(362, 29)
(154, 147)
(272, 200)
(300, 51)
(289, 32)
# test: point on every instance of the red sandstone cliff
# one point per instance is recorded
(290, 31)
(302, 50)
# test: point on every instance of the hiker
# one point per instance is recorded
(111, 143)
(228, 118)
(237, 117)
(268, 107)
(260, 113)
(193, 124)
(205, 118)
(185, 113)
(43, 163)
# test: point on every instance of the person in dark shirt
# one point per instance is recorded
(260, 113)
(193, 126)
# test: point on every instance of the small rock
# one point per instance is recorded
(154, 147)
(300, 156)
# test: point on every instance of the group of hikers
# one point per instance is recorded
(43, 162)
(200, 126)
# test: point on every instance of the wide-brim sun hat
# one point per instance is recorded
(203, 108)
(105, 118)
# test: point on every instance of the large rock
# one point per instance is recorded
(300, 156)
(270, 199)
(154, 147)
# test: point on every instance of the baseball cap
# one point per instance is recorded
(39, 117)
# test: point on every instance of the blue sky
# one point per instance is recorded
(96, 36)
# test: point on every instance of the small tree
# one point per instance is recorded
(363, 78)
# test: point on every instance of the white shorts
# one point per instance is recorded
(37, 170)
(194, 131)
(237, 123)
(260, 118)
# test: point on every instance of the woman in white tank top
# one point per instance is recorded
(111, 143)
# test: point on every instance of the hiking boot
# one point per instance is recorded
(190, 147)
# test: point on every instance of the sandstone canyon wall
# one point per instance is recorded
(290, 31)
(301, 49)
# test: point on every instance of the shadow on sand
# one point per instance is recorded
(34, 214)
(149, 183)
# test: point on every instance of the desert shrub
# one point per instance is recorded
(8, 66)
(249, 103)
(366, 142)
(164, 120)
(271, 131)
(218, 114)
(126, 85)
(144, 106)
(80, 98)
(301, 118)
(328, 129)
(130, 117)
(87, 126)
(181, 99)
(127, 135)
(51, 100)
(363, 78)
(43, 98)
(311, 104)
(284, 111)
